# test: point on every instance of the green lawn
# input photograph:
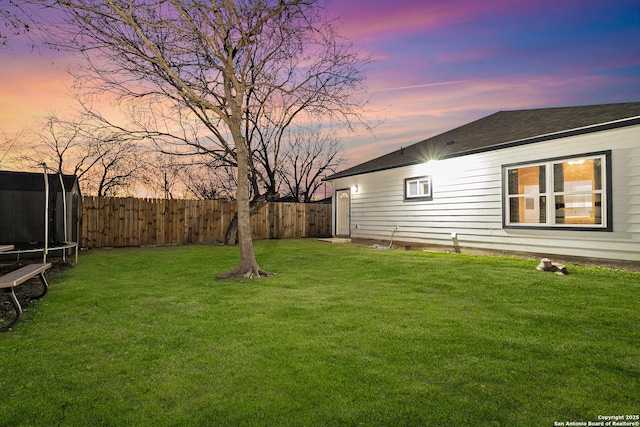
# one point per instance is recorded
(341, 335)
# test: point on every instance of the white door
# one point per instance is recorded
(343, 213)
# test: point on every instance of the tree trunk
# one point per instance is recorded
(248, 267)
(231, 235)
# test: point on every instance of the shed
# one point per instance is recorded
(23, 203)
(559, 181)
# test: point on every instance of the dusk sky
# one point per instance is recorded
(436, 64)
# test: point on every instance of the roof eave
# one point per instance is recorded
(630, 121)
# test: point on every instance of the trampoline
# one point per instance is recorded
(39, 215)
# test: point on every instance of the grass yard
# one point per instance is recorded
(342, 335)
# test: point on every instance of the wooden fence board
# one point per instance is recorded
(140, 222)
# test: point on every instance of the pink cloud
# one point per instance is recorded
(469, 55)
(369, 21)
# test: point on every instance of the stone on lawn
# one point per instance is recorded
(554, 267)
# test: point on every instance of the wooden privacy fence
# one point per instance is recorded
(115, 222)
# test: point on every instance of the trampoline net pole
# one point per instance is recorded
(64, 215)
(64, 207)
(46, 213)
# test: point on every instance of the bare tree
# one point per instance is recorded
(308, 157)
(210, 181)
(106, 161)
(119, 167)
(62, 143)
(13, 21)
(200, 59)
(279, 121)
(6, 147)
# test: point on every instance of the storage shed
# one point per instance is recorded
(24, 202)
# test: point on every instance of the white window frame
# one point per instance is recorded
(548, 195)
(420, 184)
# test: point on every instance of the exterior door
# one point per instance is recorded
(343, 212)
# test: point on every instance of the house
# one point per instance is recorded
(555, 181)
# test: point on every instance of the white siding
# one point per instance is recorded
(467, 200)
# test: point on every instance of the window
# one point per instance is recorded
(418, 188)
(559, 193)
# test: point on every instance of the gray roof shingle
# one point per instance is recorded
(503, 129)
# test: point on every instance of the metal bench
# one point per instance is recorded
(16, 277)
